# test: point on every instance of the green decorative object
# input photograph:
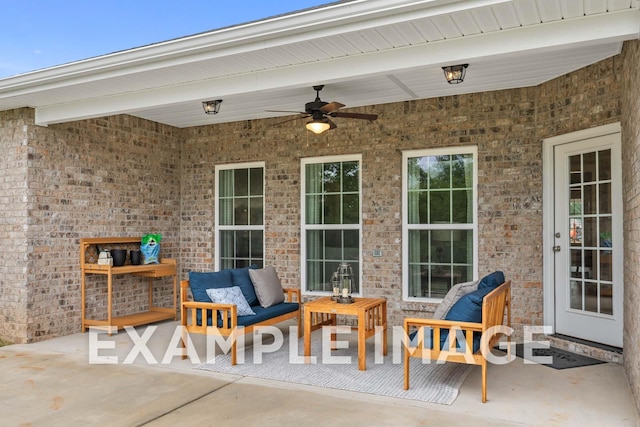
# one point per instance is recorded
(150, 248)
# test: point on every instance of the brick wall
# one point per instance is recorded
(14, 152)
(507, 127)
(98, 178)
(631, 199)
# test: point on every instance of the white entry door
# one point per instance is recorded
(587, 236)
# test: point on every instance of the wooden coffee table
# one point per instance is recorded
(371, 313)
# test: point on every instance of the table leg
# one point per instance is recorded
(384, 328)
(307, 335)
(362, 341)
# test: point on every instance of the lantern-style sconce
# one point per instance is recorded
(455, 73)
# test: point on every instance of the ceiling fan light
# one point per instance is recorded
(318, 126)
(455, 73)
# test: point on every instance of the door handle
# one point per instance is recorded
(556, 249)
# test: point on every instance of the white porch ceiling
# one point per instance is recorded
(366, 52)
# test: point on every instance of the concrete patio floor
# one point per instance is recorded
(53, 383)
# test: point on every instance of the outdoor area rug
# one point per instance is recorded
(562, 359)
(430, 382)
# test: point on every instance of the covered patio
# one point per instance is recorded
(119, 145)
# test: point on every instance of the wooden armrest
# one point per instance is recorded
(442, 324)
(207, 305)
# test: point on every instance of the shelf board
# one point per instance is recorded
(137, 319)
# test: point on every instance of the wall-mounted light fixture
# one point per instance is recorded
(455, 73)
(212, 107)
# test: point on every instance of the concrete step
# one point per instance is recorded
(591, 349)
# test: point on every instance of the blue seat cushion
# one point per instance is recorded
(261, 314)
(240, 277)
(492, 280)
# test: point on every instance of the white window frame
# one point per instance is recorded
(304, 227)
(473, 150)
(218, 227)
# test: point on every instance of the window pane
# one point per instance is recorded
(225, 211)
(313, 178)
(242, 244)
(351, 176)
(461, 206)
(413, 209)
(332, 177)
(462, 246)
(255, 180)
(332, 209)
(256, 210)
(313, 212)
(241, 182)
(241, 211)
(462, 171)
(226, 183)
(257, 245)
(351, 209)
(440, 172)
(439, 207)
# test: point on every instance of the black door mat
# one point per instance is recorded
(561, 359)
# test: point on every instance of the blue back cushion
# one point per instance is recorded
(200, 282)
(492, 280)
(469, 307)
(466, 309)
(240, 277)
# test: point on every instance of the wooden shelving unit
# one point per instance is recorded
(89, 265)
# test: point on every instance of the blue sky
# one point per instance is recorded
(36, 34)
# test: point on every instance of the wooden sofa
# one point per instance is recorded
(194, 315)
(496, 311)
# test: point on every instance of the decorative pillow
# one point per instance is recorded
(200, 282)
(232, 295)
(240, 277)
(469, 307)
(267, 286)
(458, 291)
(492, 280)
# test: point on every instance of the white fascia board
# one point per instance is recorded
(277, 31)
(611, 27)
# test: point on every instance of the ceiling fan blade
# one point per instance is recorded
(331, 124)
(370, 117)
(285, 111)
(301, 116)
(331, 107)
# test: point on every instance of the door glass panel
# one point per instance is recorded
(589, 167)
(591, 297)
(589, 203)
(575, 300)
(605, 198)
(606, 300)
(590, 226)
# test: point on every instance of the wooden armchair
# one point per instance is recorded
(496, 311)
